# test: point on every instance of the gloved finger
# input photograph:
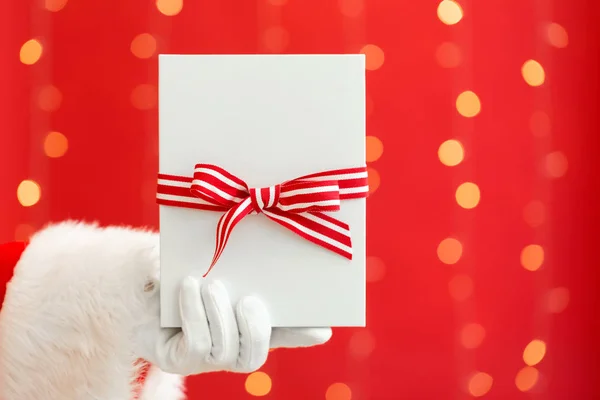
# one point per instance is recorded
(194, 323)
(255, 332)
(299, 337)
(222, 324)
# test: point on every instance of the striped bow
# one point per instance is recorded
(299, 204)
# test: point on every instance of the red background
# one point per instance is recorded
(415, 345)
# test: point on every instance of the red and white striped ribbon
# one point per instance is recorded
(299, 204)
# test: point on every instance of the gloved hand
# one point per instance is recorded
(217, 335)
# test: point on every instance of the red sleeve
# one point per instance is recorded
(10, 253)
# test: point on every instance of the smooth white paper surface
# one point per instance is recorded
(265, 119)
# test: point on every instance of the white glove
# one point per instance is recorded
(216, 336)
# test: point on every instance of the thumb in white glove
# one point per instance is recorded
(216, 337)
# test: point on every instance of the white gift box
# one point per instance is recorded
(266, 119)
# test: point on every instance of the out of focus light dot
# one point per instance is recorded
(351, 8)
(374, 148)
(532, 257)
(460, 287)
(31, 51)
(55, 144)
(361, 344)
(374, 56)
(374, 179)
(375, 269)
(449, 251)
(448, 55)
(369, 105)
(534, 213)
(49, 98)
(143, 45)
(449, 12)
(28, 193)
(55, 5)
(534, 352)
(472, 335)
(539, 123)
(258, 384)
(338, 391)
(526, 378)
(169, 7)
(144, 96)
(556, 164)
(557, 35)
(278, 2)
(557, 300)
(468, 195)
(23, 232)
(451, 153)
(276, 39)
(533, 73)
(468, 104)
(480, 383)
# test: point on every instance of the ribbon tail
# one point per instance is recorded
(225, 226)
(318, 228)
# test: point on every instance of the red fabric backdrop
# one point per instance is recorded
(447, 319)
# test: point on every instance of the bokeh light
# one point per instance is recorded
(49, 98)
(533, 73)
(534, 213)
(556, 164)
(557, 300)
(451, 153)
(338, 391)
(480, 384)
(539, 123)
(468, 195)
(28, 193)
(169, 7)
(374, 179)
(144, 96)
(472, 335)
(55, 144)
(351, 8)
(143, 45)
(557, 35)
(31, 52)
(277, 2)
(374, 57)
(448, 55)
(374, 148)
(526, 378)
(532, 257)
(258, 384)
(460, 287)
(534, 352)
(449, 251)
(449, 12)
(361, 344)
(55, 5)
(468, 104)
(375, 268)
(23, 232)
(276, 39)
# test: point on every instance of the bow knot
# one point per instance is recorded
(298, 205)
(265, 198)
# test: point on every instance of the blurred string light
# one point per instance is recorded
(533, 73)
(451, 153)
(143, 45)
(375, 269)
(55, 144)
(49, 98)
(23, 232)
(539, 124)
(350, 8)
(361, 344)
(460, 287)
(557, 35)
(472, 335)
(526, 378)
(534, 213)
(338, 391)
(258, 384)
(31, 52)
(532, 257)
(534, 352)
(449, 251)
(276, 38)
(468, 104)
(374, 56)
(55, 5)
(277, 2)
(374, 148)
(557, 300)
(144, 96)
(556, 164)
(448, 55)
(480, 384)
(29, 193)
(468, 195)
(169, 7)
(374, 179)
(449, 12)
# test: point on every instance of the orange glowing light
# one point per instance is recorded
(449, 251)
